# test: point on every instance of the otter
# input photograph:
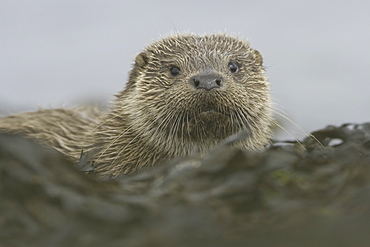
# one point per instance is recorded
(184, 93)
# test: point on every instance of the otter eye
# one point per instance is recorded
(175, 71)
(233, 67)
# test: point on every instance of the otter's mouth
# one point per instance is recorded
(209, 124)
(209, 113)
(212, 111)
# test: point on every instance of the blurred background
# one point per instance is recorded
(64, 53)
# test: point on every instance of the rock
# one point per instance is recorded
(291, 194)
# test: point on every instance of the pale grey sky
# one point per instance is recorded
(57, 53)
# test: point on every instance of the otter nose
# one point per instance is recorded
(206, 80)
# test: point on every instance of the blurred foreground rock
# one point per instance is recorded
(289, 195)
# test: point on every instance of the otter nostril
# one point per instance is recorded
(196, 83)
(218, 82)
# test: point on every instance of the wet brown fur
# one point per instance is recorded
(159, 116)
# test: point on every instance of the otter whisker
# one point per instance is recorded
(297, 126)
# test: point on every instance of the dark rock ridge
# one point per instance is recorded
(291, 194)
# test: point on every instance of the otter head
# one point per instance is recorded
(189, 91)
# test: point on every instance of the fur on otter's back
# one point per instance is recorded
(184, 93)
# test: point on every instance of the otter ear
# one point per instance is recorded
(259, 58)
(142, 59)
